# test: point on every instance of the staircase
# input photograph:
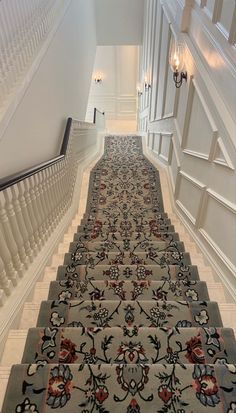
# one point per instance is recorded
(127, 326)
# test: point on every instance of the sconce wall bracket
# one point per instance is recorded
(98, 80)
(178, 78)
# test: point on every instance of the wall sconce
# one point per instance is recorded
(98, 78)
(139, 91)
(176, 60)
(147, 85)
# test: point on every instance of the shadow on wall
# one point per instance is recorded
(121, 126)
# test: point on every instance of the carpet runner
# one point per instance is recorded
(128, 327)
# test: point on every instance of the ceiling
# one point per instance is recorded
(119, 22)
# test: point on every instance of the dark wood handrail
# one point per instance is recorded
(13, 179)
(95, 114)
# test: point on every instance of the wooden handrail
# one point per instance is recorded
(95, 114)
(10, 180)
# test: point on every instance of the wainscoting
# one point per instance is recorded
(192, 130)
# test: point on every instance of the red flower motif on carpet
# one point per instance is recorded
(101, 394)
(195, 353)
(165, 393)
(67, 352)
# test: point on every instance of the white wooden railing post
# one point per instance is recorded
(27, 221)
(31, 215)
(14, 224)
(5, 283)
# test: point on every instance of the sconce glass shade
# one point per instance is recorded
(139, 89)
(176, 56)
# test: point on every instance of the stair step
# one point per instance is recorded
(131, 272)
(216, 292)
(118, 345)
(126, 258)
(14, 348)
(228, 312)
(122, 388)
(127, 290)
(41, 291)
(50, 273)
(29, 315)
(109, 313)
(4, 377)
(127, 245)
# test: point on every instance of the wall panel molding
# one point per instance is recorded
(195, 219)
(220, 154)
(195, 93)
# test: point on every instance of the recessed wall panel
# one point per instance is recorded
(220, 226)
(200, 129)
(165, 147)
(190, 197)
(170, 93)
(183, 95)
(156, 142)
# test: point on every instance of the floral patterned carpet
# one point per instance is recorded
(127, 327)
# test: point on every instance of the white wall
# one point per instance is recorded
(193, 129)
(59, 89)
(116, 94)
(119, 21)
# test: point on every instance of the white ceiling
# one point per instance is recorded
(119, 22)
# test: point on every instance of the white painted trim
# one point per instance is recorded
(196, 154)
(187, 113)
(223, 201)
(224, 270)
(186, 212)
(193, 181)
(227, 161)
(196, 89)
(218, 251)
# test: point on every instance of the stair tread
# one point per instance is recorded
(78, 313)
(120, 387)
(132, 345)
(128, 290)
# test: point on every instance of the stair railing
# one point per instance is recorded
(34, 201)
(99, 119)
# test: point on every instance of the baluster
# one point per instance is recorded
(16, 233)
(47, 184)
(39, 207)
(59, 190)
(55, 196)
(46, 189)
(27, 221)
(21, 224)
(32, 217)
(36, 211)
(5, 283)
(10, 241)
(43, 204)
(7, 260)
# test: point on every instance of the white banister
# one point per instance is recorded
(36, 207)
(10, 240)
